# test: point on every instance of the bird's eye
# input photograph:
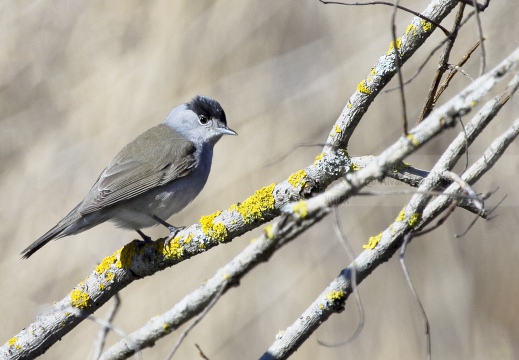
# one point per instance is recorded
(202, 119)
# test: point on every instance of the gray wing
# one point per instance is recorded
(158, 157)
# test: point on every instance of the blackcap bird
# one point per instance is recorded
(153, 177)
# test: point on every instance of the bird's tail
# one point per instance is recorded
(55, 233)
(63, 228)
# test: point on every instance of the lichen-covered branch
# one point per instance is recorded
(379, 249)
(314, 209)
(382, 246)
(137, 260)
(383, 71)
(414, 217)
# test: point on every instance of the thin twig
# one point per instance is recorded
(442, 65)
(480, 32)
(120, 332)
(103, 332)
(292, 150)
(199, 318)
(415, 13)
(201, 353)
(351, 254)
(407, 238)
(429, 56)
(454, 70)
(479, 7)
(398, 67)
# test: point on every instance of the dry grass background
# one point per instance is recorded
(81, 79)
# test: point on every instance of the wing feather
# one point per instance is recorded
(158, 157)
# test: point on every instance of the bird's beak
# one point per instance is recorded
(226, 131)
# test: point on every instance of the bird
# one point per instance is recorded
(153, 177)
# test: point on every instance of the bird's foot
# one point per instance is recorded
(144, 237)
(173, 231)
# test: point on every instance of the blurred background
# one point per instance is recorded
(81, 79)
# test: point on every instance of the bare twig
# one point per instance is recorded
(483, 58)
(290, 151)
(199, 318)
(407, 239)
(351, 254)
(430, 55)
(444, 59)
(201, 353)
(396, 48)
(454, 69)
(103, 332)
(415, 13)
(479, 7)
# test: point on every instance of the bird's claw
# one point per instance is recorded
(173, 231)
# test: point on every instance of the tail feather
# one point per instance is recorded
(65, 227)
(55, 233)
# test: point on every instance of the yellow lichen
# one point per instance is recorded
(102, 287)
(426, 25)
(13, 343)
(414, 141)
(125, 255)
(401, 216)
(105, 264)
(254, 207)
(412, 28)
(174, 250)
(349, 105)
(355, 167)
(373, 242)
(334, 295)
(414, 219)
(318, 158)
(392, 45)
(220, 232)
(206, 221)
(343, 152)
(109, 276)
(363, 88)
(79, 299)
(402, 165)
(297, 179)
(188, 239)
(300, 209)
(268, 232)
(216, 231)
(166, 327)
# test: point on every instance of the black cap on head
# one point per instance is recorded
(203, 105)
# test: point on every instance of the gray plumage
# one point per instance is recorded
(154, 176)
